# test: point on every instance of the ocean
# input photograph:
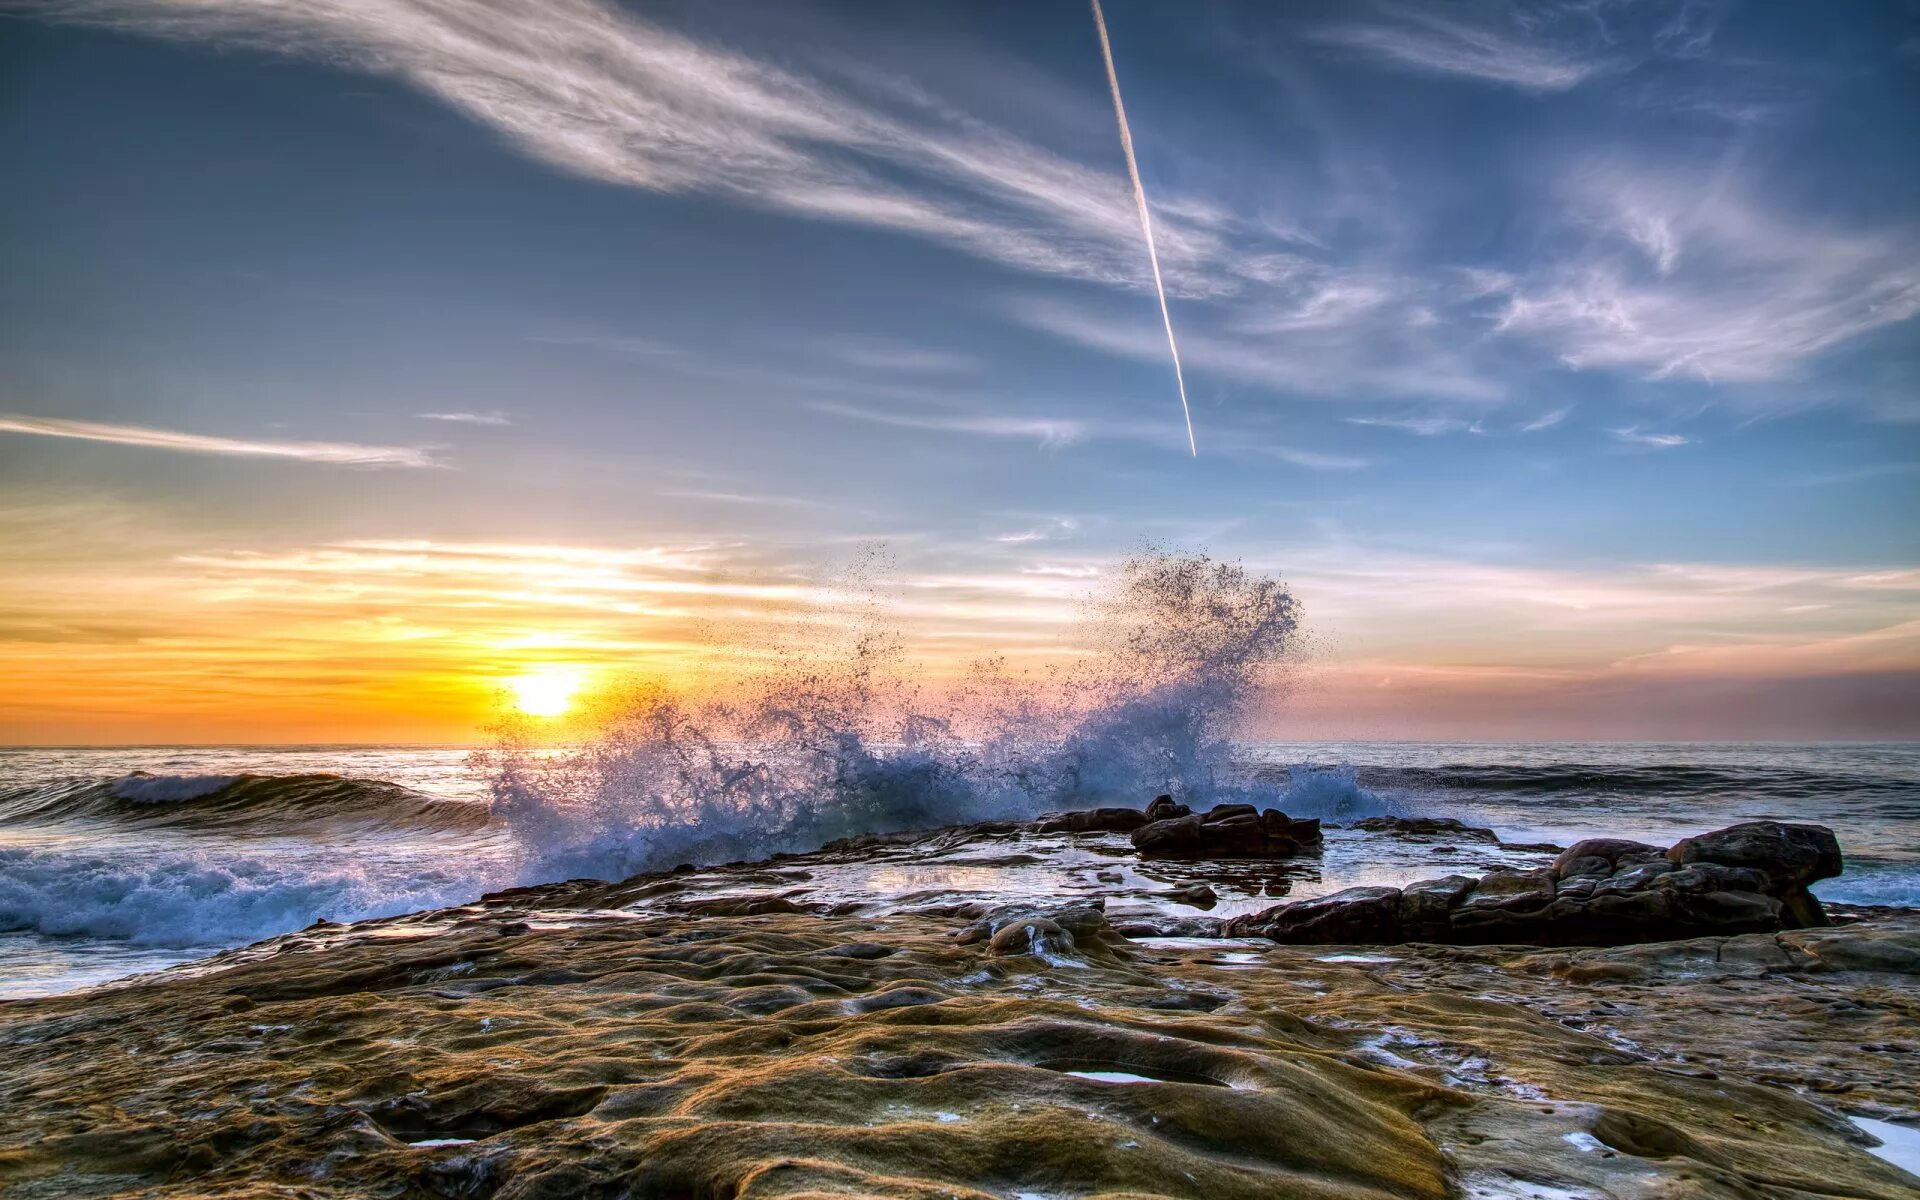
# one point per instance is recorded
(115, 862)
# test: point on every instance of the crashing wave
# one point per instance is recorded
(828, 745)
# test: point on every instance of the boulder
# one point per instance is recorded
(1599, 856)
(1228, 831)
(1091, 820)
(1164, 809)
(1427, 827)
(1359, 914)
(1791, 855)
(1424, 906)
(1601, 892)
(1788, 857)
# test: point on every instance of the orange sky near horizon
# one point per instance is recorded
(363, 640)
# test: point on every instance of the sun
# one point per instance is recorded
(548, 691)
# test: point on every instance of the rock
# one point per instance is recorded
(1789, 856)
(1360, 914)
(1092, 820)
(1600, 892)
(1600, 856)
(1177, 835)
(1057, 933)
(1897, 954)
(1426, 827)
(1198, 895)
(1424, 906)
(1164, 809)
(1229, 831)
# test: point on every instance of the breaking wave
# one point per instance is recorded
(846, 741)
(166, 896)
(240, 805)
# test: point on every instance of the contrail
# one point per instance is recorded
(1146, 220)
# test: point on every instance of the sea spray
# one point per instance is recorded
(844, 740)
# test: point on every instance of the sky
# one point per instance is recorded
(361, 360)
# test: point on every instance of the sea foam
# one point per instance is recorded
(844, 740)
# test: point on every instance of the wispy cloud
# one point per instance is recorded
(1679, 273)
(1420, 426)
(1048, 431)
(468, 418)
(1633, 435)
(1313, 460)
(601, 92)
(1436, 42)
(342, 453)
(879, 355)
(1546, 421)
(1051, 529)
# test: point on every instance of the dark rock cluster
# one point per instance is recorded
(1749, 878)
(1170, 830)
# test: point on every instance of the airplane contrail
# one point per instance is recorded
(1146, 220)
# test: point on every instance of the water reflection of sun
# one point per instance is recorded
(547, 691)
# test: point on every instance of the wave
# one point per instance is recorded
(158, 897)
(1677, 779)
(240, 805)
(841, 740)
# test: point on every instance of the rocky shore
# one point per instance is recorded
(730, 1033)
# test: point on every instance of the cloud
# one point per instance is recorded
(1313, 460)
(880, 355)
(1048, 431)
(1633, 436)
(1435, 43)
(343, 453)
(1435, 426)
(1546, 421)
(1051, 529)
(1675, 272)
(603, 93)
(467, 418)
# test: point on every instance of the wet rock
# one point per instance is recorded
(1424, 906)
(1164, 809)
(1229, 831)
(1356, 915)
(1058, 933)
(1600, 856)
(1091, 820)
(1198, 895)
(1600, 892)
(1426, 827)
(1890, 953)
(1791, 855)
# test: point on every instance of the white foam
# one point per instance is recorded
(159, 896)
(1113, 1076)
(837, 741)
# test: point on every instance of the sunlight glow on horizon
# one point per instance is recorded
(548, 691)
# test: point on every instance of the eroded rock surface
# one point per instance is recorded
(505, 1051)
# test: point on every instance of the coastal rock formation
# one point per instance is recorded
(1748, 878)
(544, 1044)
(1228, 831)
(1449, 827)
(1172, 830)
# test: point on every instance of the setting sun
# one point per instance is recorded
(547, 692)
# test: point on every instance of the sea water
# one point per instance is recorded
(94, 887)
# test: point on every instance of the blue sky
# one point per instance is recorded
(1556, 352)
